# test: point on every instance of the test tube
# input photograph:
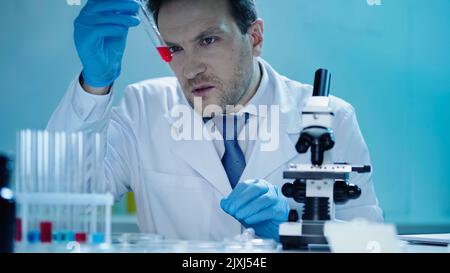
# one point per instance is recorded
(66, 233)
(70, 166)
(83, 161)
(33, 235)
(98, 186)
(45, 224)
(151, 28)
(76, 184)
(58, 235)
(19, 180)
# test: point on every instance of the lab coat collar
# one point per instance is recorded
(262, 163)
(262, 95)
(200, 154)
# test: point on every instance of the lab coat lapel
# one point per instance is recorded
(262, 163)
(202, 156)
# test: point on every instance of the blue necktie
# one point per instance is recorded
(233, 159)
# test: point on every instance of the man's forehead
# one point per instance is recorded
(193, 7)
(182, 16)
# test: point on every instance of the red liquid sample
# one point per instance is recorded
(46, 232)
(18, 229)
(165, 53)
(80, 237)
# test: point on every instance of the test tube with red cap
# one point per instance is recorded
(45, 223)
(151, 28)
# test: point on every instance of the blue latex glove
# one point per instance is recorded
(259, 205)
(100, 35)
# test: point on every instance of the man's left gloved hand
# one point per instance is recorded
(259, 205)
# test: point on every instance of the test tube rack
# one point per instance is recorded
(94, 200)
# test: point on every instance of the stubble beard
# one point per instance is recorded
(231, 94)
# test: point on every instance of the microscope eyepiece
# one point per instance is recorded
(322, 82)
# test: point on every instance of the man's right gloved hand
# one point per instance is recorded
(100, 35)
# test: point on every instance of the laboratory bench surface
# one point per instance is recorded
(173, 246)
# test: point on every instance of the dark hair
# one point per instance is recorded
(243, 12)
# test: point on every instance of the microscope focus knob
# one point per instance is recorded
(344, 192)
(354, 191)
(296, 191)
(287, 190)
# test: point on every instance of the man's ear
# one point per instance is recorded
(256, 31)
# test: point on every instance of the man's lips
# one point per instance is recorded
(201, 91)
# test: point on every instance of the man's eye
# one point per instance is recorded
(208, 41)
(175, 49)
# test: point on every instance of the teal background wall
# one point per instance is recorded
(392, 62)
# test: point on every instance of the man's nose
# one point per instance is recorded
(192, 68)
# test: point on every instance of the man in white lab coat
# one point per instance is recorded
(200, 187)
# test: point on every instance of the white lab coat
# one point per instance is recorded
(178, 185)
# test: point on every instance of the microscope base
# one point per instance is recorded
(296, 235)
(301, 242)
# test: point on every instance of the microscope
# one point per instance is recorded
(319, 185)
